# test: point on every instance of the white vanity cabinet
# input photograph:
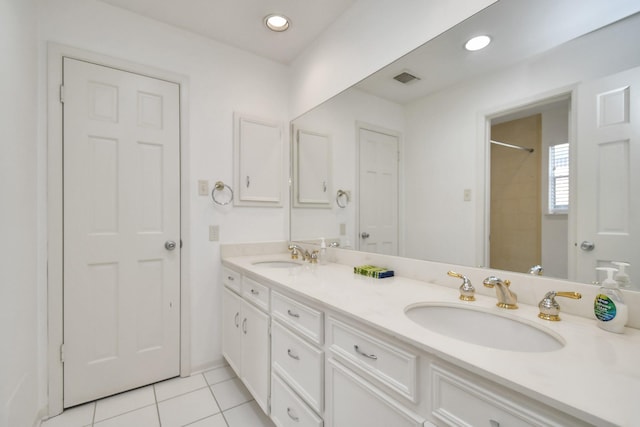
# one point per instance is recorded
(245, 335)
(362, 370)
(297, 362)
(461, 399)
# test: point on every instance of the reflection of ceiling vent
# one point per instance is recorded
(405, 77)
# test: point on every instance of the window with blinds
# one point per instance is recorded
(559, 178)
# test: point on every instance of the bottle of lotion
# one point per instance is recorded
(621, 276)
(609, 307)
(322, 257)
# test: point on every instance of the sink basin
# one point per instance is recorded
(278, 264)
(483, 328)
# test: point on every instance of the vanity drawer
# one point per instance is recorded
(458, 400)
(381, 360)
(287, 409)
(300, 317)
(255, 292)
(231, 279)
(299, 363)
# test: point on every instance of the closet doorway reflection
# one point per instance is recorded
(528, 206)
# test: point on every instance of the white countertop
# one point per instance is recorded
(594, 377)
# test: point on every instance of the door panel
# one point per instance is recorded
(378, 203)
(608, 196)
(121, 204)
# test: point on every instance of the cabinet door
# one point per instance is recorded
(312, 169)
(231, 332)
(259, 155)
(255, 353)
(354, 402)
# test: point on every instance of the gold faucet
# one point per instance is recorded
(467, 290)
(550, 309)
(506, 298)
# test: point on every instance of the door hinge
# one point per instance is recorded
(62, 353)
(62, 94)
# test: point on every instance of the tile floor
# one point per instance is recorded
(216, 398)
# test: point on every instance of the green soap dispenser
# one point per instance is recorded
(609, 307)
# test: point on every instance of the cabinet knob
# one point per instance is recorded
(494, 423)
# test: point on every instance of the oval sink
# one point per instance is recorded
(278, 264)
(483, 328)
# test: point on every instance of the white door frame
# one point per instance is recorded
(401, 226)
(484, 167)
(55, 326)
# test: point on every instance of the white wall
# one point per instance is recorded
(370, 35)
(19, 369)
(555, 227)
(444, 139)
(337, 118)
(221, 80)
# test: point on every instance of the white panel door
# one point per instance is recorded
(121, 205)
(608, 175)
(231, 331)
(378, 190)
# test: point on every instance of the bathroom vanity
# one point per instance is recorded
(320, 346)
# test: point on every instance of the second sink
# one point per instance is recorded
(483, 328)
(278, 264)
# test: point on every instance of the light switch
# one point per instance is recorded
(214, 233)
(467, 194)
(343, 229)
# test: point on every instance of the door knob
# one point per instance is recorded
(587, 246)
(364, 235)
(169, 245)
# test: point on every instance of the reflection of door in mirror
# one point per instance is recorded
(378, 185)
(526, 226)
(608, 134)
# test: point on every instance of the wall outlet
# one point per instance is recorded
(467, 194)
(214, 233)
(203, 187)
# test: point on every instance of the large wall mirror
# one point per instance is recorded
(521, 154)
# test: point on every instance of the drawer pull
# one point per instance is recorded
(292, 314)
(236, 319)
(244, 326)
(254, 292)
(292, 354)
(292, 415)
(231, 278)
(360, 352)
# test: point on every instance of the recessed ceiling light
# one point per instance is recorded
(477, 43)
(276, 22)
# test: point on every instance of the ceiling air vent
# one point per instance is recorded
(406, 77)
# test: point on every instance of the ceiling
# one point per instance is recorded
(239, 23)
(519, 29)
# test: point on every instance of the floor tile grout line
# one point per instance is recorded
(218, 404)
(155, 396)
(123, 413)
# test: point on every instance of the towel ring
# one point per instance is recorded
(340, 196)
(220, 186)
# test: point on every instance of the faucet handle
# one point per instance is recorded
(467, 291)
(549, 307)
(294, 251)
(313, 257)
